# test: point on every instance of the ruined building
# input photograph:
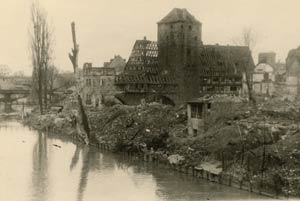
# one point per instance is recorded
(264, 74)
(118, 63)
(142, 78)
(97, 84)
(179, 67)
(263, 79)
(293, 71)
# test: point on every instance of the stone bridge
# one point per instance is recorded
(8, 96)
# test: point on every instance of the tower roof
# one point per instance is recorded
(179, 15)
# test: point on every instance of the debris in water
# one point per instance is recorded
(56, 145)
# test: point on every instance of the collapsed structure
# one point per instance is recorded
(97, 84)
(269, 75)
(272, 78)
(178, 67)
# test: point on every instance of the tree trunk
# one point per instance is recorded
(46, 86)
(82, 118)
(40, 90)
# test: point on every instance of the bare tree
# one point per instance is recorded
(249, 39)
(58, 81)
(52, 76)
(82, 118)
(41, 51)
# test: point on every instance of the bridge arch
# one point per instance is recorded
(7, 99)
(135, 99)
(161, 99)
(121, 99)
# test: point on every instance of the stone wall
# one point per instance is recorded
(178, 45)
(97, 84)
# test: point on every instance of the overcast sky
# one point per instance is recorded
(109, 27)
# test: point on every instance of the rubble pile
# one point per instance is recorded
(133, 127)
(282, 109)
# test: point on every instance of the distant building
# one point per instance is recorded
(267, 58)
(293, 71)
(117, 63)
(278, 67)
(178, 67)
(263, 79)
(280, 72)
(97, 84)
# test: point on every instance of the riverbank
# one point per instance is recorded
(56, 167)
(158, 133)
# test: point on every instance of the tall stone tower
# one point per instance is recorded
(179, 42)
(267, 57)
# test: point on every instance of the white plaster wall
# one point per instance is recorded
(258, 77)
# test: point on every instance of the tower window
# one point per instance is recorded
(171, 26)
(196, 38)
(190, 27)
(181, 26)
(188, 52)
(233, 88)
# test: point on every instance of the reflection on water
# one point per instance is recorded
(38, 167)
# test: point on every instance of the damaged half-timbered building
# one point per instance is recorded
(179, 67)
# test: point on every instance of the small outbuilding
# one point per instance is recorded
(206, 111)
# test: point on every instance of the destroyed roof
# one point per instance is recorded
(225, 60)
(144, 79)
(142, 66)
(107, 71)
(179, 15)
(264, 67)
(144, 57)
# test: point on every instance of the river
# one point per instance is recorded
(38, 167)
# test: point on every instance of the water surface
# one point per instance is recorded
(38, 167)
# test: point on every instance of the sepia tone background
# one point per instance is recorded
(108, 27)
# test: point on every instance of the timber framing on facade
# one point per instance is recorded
(178, 67)
(222, 68)
(142, 76)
